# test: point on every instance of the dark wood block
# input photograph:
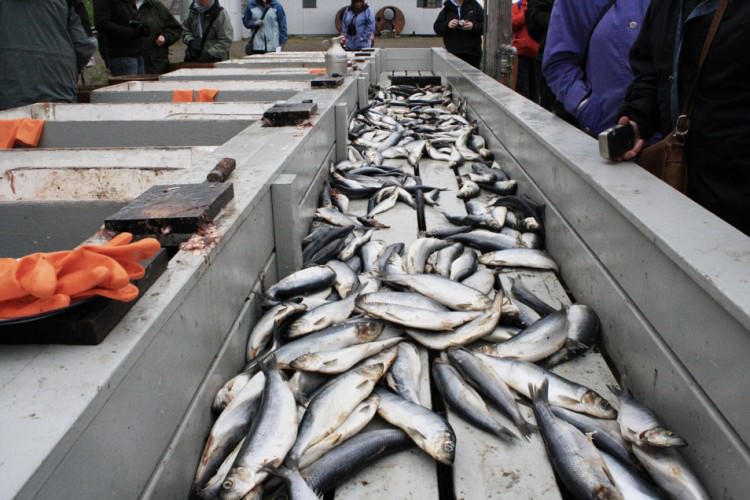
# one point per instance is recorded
(291, 113)
(418, 78)
(176, 208)
(85, 324)
(327, 81)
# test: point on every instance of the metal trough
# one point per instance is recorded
(668, 279)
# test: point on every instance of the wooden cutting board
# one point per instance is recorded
(174, 208)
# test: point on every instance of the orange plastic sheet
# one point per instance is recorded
(25, 132)
(182, 95)
(42, 282)
(207, 95)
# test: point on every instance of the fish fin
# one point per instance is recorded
(331, 362)
(412, 430)
(506, 434)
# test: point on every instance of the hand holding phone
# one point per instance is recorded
(615, 141)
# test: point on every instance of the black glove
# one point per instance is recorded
(140, 28)
(195, 45)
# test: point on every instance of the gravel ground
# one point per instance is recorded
(97, 75)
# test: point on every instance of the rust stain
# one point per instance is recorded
(11, 178)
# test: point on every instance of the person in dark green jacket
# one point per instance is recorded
(42, 46)
(164, 31)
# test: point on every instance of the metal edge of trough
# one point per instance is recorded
(628, 247)
(179, 310)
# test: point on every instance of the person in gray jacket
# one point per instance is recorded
(207, 32)
(42, 47)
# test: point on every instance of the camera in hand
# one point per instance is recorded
(139, 28)
(615, 141)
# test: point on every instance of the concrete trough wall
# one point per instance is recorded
(139, 133)
(62, 112)
(234, 73)
(264, 91)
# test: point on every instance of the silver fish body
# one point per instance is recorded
(304, 281)
(629, 482)
(229, 428)
(519, 375)
(466, 401)
(671, 472)
(338, 361)
(450, 293)
(430, 431)
(464, 334)
(419, 250)
(423, 319)
(603, 437)
(489, 384)
(543, 338)
(575, 459)
(297, 487)
(342, 462)
(333, 404)
(322, 316)
(520, 257)
(355, 422)
(272, 435)
(405, 374)
(268, 324)
(344, 334)
(640, 426)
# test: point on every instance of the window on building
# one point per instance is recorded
(309, 4)
(429, 4)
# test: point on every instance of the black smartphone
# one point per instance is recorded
(615, 141)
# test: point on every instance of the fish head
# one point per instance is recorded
(386, 357)
(369, 330)
(239, 482)
(373, 370)
(662, 438)
(445, 447)
(597, 406)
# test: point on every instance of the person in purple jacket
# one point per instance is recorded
(585, 58)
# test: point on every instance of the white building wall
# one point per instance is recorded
(320, 20)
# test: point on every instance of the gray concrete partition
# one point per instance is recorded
(261, 91)
(234, 73)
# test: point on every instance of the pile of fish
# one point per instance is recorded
(354, 333)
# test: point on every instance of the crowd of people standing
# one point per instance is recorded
(595, 63)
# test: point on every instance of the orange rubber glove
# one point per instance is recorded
(31, 306)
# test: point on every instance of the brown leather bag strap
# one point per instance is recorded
(706, 45)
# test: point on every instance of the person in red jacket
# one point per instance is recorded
(527, 72)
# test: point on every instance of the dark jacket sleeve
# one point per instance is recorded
(171, 29)
(103, 22)
(478, 22)
(537, 18)
(641, 104)
(441, 23)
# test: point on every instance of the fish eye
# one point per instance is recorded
(227, 484)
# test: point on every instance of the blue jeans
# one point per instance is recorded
(126, 66)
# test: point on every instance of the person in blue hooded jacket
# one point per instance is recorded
(585, 60)
(266, 21)
(357, 26)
